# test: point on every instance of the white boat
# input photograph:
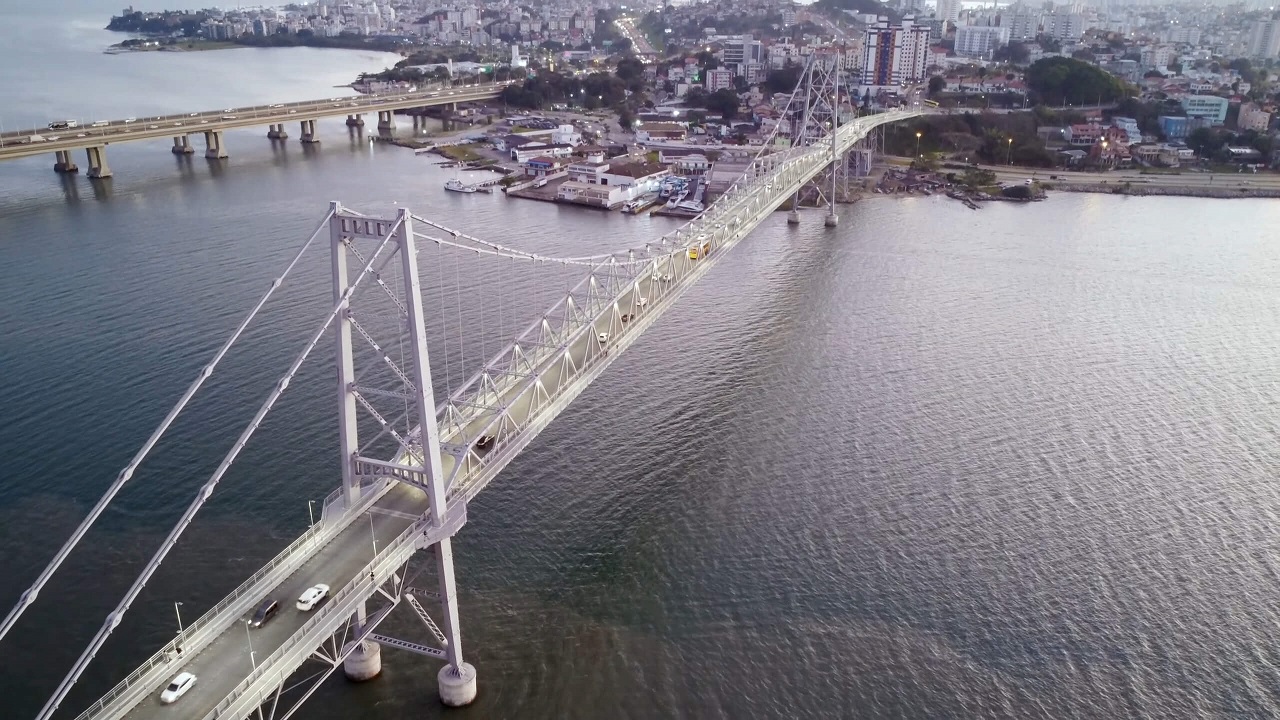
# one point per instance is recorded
(458, 186)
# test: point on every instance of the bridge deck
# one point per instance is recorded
(20, 143)
(223, 667)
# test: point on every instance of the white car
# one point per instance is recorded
(661, 277)
(313, 595)
(603, 338)
(178, 687)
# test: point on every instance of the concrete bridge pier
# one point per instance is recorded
(832, 219)
(277, 132)
(355, 121)
(365, 660)
(793, 217)
(63, 162)
(308, 132)
(386, 121)
(182, 145)
(98, 168)
(215, 148)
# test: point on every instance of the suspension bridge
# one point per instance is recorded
(411, 462)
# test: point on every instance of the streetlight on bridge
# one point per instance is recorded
(253, 662)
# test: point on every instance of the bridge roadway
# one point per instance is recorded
(563, 354)
(21, 143)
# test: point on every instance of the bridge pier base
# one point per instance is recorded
(63, 162)
(355, 121)
(277, 132)
(214, 147)
(182, 146)
(386, 121)
(832, 220)
(98, 168)
(308, 132)
(364, 663)
(793, 217)
(457, 685)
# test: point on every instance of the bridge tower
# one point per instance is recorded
(390, 381)
(815, 123)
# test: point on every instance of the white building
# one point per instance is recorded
(980, 42)
(949, 12)
(1253, 117)
(897, 54)
(1022, 24)
(1064, 26)
(1157, 57)
(719, 79)
(1264, 39)
(741, 51)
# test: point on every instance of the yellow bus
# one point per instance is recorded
(931, 103)
(702, 245)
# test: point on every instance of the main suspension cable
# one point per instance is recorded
(113, 620)
(29, 597)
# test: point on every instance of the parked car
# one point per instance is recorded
(312, 596)
(179, 687)
(266, 611)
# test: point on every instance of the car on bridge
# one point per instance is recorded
(266, 611)
(312, 597)
(179, 687)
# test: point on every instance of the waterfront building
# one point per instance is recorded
(1211, 107)
(1177, 127)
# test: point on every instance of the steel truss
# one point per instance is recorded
(451, 450)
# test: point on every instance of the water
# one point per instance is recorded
(935, 463)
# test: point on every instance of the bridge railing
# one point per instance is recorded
(584, 310)
(214, 621)
(195, 632)
(341, 605)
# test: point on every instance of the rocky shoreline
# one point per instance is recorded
(1144, 190)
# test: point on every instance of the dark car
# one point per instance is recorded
(265, 612)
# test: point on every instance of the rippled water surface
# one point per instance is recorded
(934, 463)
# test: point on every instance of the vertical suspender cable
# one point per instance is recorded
(29, 596)
(117, 615)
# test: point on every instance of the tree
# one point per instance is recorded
(1015, 52)
(783, 80)
(936, 84)
(740, 84)
(725, 102)
(1059, 80)
(1205, 142)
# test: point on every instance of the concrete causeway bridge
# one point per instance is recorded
(446, 449)
(94, 137)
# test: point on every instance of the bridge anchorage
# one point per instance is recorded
(383, 538)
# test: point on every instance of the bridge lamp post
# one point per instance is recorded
(311, 512)
(179, 614)
(373, 536)
(252, 661)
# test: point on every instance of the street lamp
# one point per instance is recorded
(247, 634)
(1010, 157)
(179, 614)
(311, 512)
(373, 535)
(918, 134)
